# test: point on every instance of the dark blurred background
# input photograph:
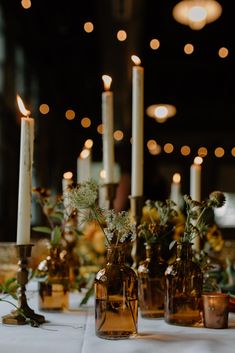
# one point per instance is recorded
(47, 57)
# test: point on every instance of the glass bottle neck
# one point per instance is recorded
(153, 249)
(55, 251)
(116, 254)
(184, 251)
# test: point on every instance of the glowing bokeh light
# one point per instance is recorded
(26, 4)
(188, 48)
(219, 152)
(70, 114)
(88, 27)
(121, 35)
(223, 52)
(185, 150)
(168, 148)
(118, 135)
(154, 44)
(44, 108)
(100, 129)
(86, 122)
(151, 144)
(202, 152)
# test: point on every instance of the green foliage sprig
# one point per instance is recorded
(160, 221)
(9, 289)
(55, 213)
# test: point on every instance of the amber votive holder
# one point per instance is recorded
(215, 310)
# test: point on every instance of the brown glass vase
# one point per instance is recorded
(54, 283)
(116, 297)
(184, 281)
(151, 280)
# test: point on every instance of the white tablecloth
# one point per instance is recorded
(73, 331)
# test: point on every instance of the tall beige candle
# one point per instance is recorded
(107, 121)
(84, 166)
(195, 190)
(25, 176)
(137, 128)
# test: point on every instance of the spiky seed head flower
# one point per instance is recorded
(217, 199)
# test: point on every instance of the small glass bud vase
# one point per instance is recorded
(116, 297)
(151, 279)
(54, 284)
(184, 281)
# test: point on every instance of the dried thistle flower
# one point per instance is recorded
(217, 199)
(117, 227)
(196, 223)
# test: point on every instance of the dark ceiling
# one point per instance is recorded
(69, 62)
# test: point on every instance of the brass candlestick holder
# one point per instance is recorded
(23, 312)
(137, 253)
(109, 194)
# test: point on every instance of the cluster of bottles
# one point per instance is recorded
(160, 290)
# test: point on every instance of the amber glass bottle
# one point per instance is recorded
(184, 282)
(54, 283)
(151, 280)
(116, 297)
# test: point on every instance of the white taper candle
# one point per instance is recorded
(137, 131)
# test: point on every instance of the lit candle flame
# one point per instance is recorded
(89, 143)
(85, 153)
(176, 178)
(136, 60)
(107, 82)
(21, 106)
(68, 175)
(102, 174)
(198, 160)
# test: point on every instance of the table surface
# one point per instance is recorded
(73, 331)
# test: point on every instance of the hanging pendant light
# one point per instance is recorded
(197, 13)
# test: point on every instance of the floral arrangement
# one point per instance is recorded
(196, 223)
(62, 229)
(116, 226)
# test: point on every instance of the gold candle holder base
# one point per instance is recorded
(137, 253)
(23, 312)
(109, 194)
